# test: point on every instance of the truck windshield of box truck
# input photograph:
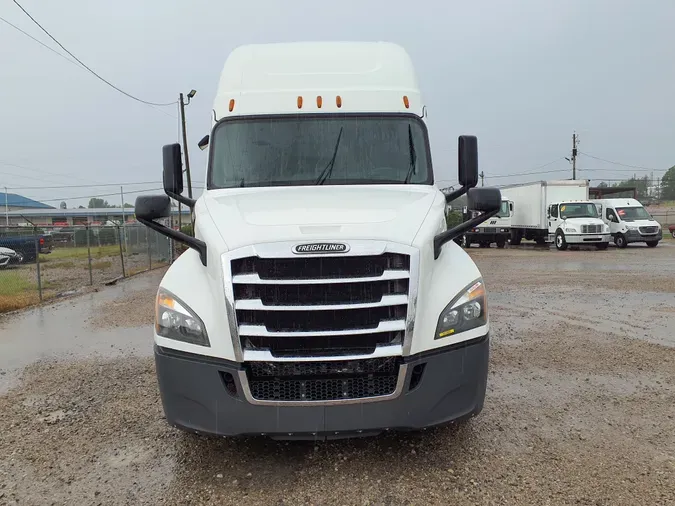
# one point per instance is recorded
(504, 211)
(344, 149)
(581, 210)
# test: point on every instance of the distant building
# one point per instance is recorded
(50, 216)
(13, 202)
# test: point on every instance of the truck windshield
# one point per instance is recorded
(503, 210)
(633, 213)
(578, 210)
(307, 150)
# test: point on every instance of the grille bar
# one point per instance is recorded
(255, 279)
(257, 304)
(261, 330)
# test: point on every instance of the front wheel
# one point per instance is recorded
(560, 242)
(466, 242)
(673, 234)
(602, 246)
(620, 241)
(652, 244)
(501, 243)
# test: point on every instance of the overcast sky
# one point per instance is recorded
(520, 74)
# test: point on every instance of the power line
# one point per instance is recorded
(44, 172)
(40, 42)
(526, 173)
(83, 185)
(615, 163)
(89, 69)
(101, 195)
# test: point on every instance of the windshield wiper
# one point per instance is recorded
(413, 157)
(325, 173)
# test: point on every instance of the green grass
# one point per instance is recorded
(17, 290)
(81, 253)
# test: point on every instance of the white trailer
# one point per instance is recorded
(323, 294)
(556, 211)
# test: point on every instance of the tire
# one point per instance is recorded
(466, 242)
(516, 237)
(652, 244)
(484, 244)
(560, 242)
(501, 243)
(602, 246)
(620, 241)
(673, 234)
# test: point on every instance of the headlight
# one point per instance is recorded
(631, 227)
(174, 320)
(465, 312)
(571, 230)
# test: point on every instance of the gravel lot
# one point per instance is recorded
(577, 412)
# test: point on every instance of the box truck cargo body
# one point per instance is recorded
(323, 294)
(495, 230)
(555, 211)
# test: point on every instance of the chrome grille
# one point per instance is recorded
(591, 229)
(649, 230)
(321, 305)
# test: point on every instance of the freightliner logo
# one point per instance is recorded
(320, 247)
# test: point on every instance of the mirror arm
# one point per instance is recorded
(449, 235)
(456, 194)
(196, 244)
(182, 199)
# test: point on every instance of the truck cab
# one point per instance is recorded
(495, 230)
(629, 222)
(322, 295)
(576, 223)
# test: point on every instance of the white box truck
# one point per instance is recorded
(556, 211)
(495, 230)
(629, 222)
(322, 294)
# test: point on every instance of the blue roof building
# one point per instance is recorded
(12, 201)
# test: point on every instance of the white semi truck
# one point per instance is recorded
(495, 230)
(322, 294)
(556, 211)
(629, 222)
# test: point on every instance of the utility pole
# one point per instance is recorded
(575, 142)
(185, 144)
(482, 178)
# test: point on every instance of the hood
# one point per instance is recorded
(641, 223)
(246, 216)
(584, 221)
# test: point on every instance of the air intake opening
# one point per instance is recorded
(416, 376)
(230, 385)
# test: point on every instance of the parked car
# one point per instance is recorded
(671, 228)
(26, 245)
(9, 256)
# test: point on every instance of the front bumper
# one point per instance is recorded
(635, 236)
(586, 238)
(195, 398)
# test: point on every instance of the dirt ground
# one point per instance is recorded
(580, 406)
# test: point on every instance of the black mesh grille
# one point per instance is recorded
(648, 230)
(388, 365)
(322, 345)
(323, 381)
(321, 267)
(315, 321)
(320, 294)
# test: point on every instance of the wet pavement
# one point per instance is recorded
(579, 408)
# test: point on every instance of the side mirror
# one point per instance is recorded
(485, 200)
(467, 160)
(152, 207)
(173, 174)
(203, 144)
(148, 208)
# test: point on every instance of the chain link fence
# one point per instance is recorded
(42, 263)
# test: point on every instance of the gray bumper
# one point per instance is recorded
(636, 236)
(586, 238)
(195, 398)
